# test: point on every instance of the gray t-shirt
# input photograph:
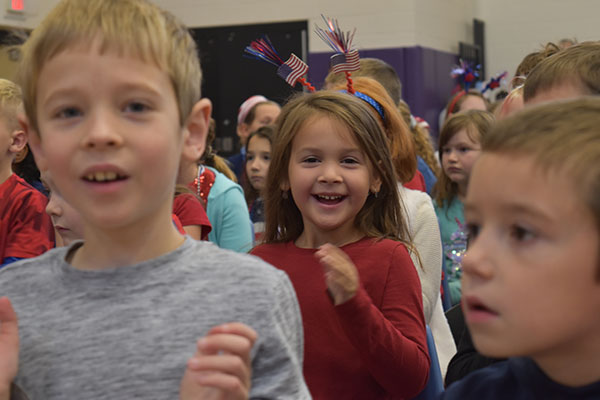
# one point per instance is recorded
(128, 332)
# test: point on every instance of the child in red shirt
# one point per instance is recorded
(25, 229)
(332, 224)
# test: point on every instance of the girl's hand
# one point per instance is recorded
(341, 275)
(220, 369)
(9, 347)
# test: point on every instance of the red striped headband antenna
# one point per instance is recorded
(346, 59)
(291, 71)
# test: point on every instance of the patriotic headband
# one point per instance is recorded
(494, 82)
(291, 71)
(346, 59)
(371, 101)
(465, 75)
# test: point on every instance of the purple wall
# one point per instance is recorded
(424, 72)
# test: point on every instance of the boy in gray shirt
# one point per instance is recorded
(112, 98)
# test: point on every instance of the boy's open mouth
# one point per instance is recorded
(475, 305)
(104, 177)
(329, 199)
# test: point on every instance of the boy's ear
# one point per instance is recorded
(196, 130)
(18, 141)
(33, 138)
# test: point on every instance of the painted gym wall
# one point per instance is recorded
(513, 27)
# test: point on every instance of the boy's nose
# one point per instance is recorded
(477, 260)
(102, 133)
(52, 208)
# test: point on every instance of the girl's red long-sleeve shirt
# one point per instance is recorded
(374, 345)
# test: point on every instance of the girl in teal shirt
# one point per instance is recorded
(459, 148)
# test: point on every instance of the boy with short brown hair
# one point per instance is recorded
(531, 274)
(112, 97)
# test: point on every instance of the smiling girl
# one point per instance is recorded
(335, 225)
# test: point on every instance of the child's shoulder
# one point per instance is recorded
(376, 244)
(212, 258)
(16, 188)
(24, 272)
(222, 183)
(518, 379)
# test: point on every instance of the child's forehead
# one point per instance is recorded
(97, 45)
(521, 167)
(324, 125)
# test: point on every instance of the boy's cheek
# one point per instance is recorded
(35, 145)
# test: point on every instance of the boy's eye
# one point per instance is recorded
(69, 112)
(472, 232)
(464, 149)
(136, 107)
(521, 234)
(445, 150)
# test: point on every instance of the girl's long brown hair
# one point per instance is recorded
(381, 216)
(401, 144)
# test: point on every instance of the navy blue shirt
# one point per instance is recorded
(516, 379)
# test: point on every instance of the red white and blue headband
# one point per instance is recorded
(346, 58)
(291, 71)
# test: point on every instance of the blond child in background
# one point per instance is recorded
(25, 229)
(68, 225)
(570, 73)
(531, 281)
(112, 91)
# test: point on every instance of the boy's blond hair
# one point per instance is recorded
(11, 103)
(578, 65)
(133, 27)
(530, 61)
(561, 137)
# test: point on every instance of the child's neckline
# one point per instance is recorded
(341, 246)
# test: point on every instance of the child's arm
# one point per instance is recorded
(9, 347)
(193, 231)
(221, 368)
(389, 336)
